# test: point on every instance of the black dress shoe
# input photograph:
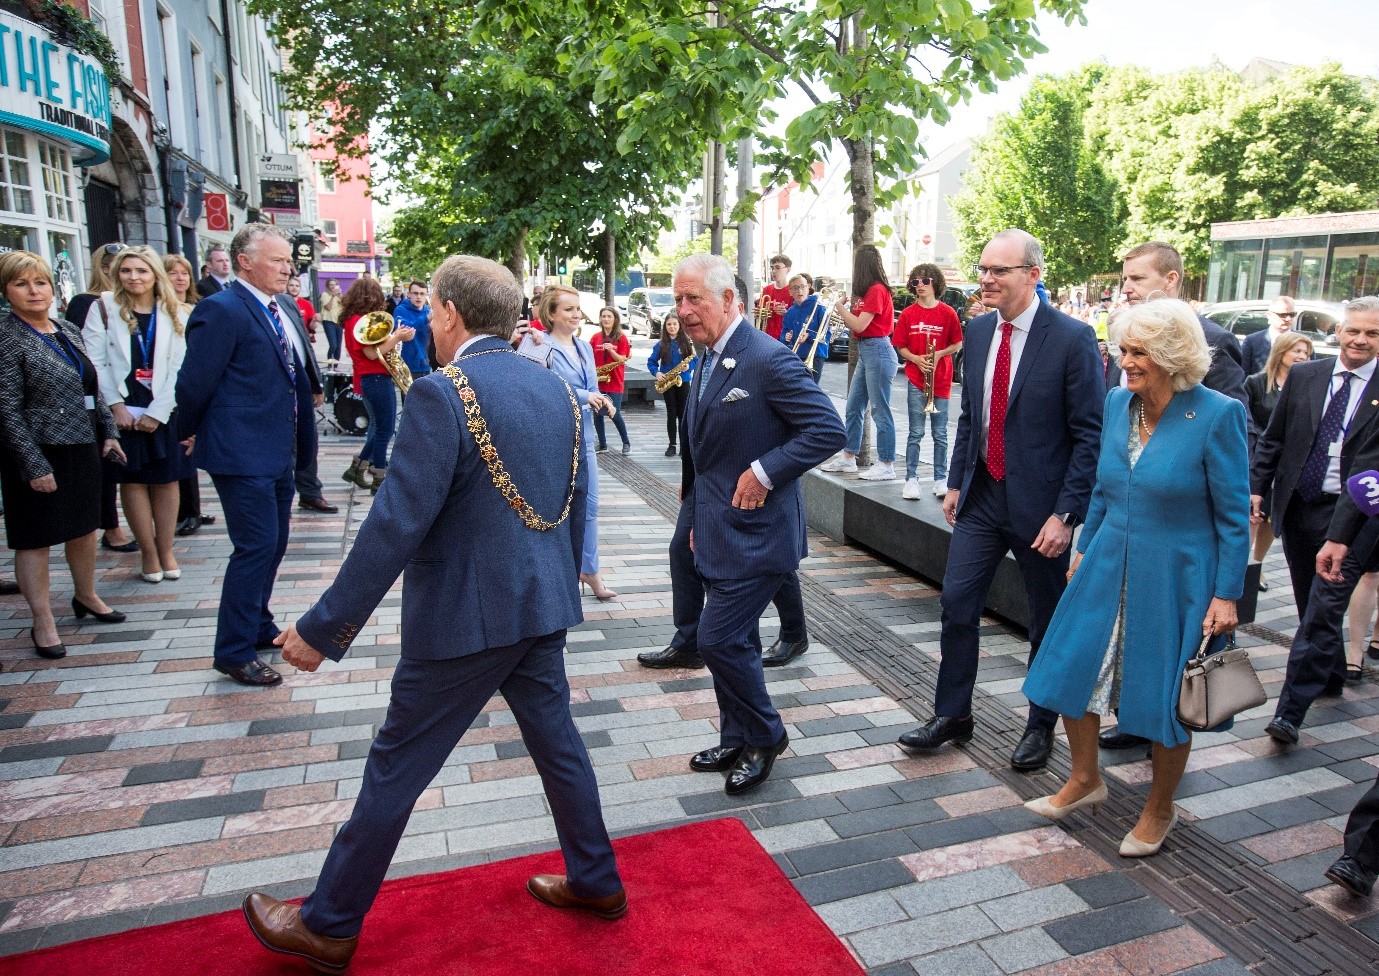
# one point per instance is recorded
(189, 525)
(256, 674)
(1282, 730)
(715, 760)
(670, 451)
(130, 546)
(317, 505)
(8, 587)
(1033, 752)
(1351, 875)
(753, 766)
(109, 617)
(1263, 586)
(1114, 738)
(671, 657)
(52, 651)
(206, 519)
(783, 652)
(937, 731)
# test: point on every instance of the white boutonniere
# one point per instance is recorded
(729, 363)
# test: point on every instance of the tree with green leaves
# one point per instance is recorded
(1036, 171)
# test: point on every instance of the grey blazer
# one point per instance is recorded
(41, 397)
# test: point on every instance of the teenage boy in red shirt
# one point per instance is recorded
(928, 330)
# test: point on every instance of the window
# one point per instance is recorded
(325, 178)
(99, 17)
(173, 89)
(1354, 266)
(201, 121)
(58, 184)
(15, 186)
(332, 235)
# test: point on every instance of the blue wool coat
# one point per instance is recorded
(1176, 530)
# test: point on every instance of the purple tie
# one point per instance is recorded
(1330, 431)
(282, 338)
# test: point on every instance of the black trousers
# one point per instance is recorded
(188, 499)
(1304, 533)
(1317, 656)
(676, 397)
(1362, 831)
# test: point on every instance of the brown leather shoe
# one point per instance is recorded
(555, 891)
(279, 927)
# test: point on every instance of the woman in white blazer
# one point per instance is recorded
(135, 336)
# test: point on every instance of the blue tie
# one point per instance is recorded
(282, 338)
(705, 370)
(1330, 431)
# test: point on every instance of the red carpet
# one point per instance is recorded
(704, 899)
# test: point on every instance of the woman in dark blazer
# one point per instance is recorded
(1263, 390)
(55, 428)
(1172, 504)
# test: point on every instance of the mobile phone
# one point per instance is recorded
(110, 455)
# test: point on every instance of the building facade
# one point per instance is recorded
(1331, 257)
(345, 218)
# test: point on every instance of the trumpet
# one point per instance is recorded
(761, 314)
(371, 329)
(834, 317)
(927, 367)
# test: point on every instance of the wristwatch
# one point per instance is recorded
(1068, 519)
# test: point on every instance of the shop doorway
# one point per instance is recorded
(102, 212)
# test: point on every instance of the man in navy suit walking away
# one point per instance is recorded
(238, 394)
(489, 589)
(755, 422)
(1024, 462)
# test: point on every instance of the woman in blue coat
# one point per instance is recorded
(1161, 562)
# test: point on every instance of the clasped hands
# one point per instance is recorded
(124, 420)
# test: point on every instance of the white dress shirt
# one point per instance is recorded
(1023, 323)
(1331, 484)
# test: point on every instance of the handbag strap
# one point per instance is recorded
(1201, 654)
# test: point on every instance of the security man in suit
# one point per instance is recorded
(1328, 410)
(1024, 462)
(239, 393)
(1283, 318)
(488, 593)
(756, 421)
(309, 496)
(217, 277)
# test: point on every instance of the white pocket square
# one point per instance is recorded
(735, 394)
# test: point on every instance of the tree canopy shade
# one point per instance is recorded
(481, 124)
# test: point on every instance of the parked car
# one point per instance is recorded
(647, 308)
(1318, 320)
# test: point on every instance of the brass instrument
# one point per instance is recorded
(834, 317)
(372, 329)
(927, 367)
(761, 314)
(671, 377)
(604, 372)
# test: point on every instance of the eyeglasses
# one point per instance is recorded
(921, 281)
(112, 249)
(1286, 315)
(996, 271)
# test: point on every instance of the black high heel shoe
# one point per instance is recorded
(109, 617)
(52, 652)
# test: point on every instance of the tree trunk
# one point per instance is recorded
(862, 180)
(610, 267)
(719, 197)
(517, 260)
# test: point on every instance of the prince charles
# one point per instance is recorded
(482, 514)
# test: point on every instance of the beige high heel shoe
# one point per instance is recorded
(1132, 846)
(595, 583)
(1044, 805)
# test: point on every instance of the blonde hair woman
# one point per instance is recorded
(135, 337)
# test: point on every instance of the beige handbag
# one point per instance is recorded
(1217, 687)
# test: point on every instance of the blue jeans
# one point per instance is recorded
(334, 335)
(380, 403)
(938, 423)
(871, 383)
(618, 422)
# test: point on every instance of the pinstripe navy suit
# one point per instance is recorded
(786, 424)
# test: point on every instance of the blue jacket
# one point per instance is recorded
(1174, 532)
(809, 315)
(1053, 421)
(656, 368)
(786, 422)
(474, 575)
(414, 350)
(235, 391)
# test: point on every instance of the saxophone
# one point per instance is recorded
(602, 373)
(671, 377)
(371, 329)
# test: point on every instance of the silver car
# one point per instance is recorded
(647, 308)
(1317, 319)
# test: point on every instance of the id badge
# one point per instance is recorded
(89, 402)
(1334, 450)
(145, 377)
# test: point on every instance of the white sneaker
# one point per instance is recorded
(841, 464)
(880, 471)
(911, 490)
(940, 489)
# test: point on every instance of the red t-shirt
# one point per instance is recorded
(614, 383)
(939, 328)
(363, 365)
(878, 302)
(308, 313)
(780, 301)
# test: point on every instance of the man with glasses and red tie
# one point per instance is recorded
(238, 394)
(1283, 317)
(1024, 462)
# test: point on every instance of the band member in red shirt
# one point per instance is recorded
(611, 349)
(776, 295)
(927, 333)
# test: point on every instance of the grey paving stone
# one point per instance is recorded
(869, 798)
(906, 940)
(475, 814)
(1291, 813)
(945, 833)
(172, 737)
(1343, 799)
(945, 784)
(858, 880)
(1023, 950)
(202, 806)
(968, 960)
(1288, 787)
(495, 837)
(164, 772)
(1033, 907)
(859, 850)
(1217, 967)
(887, 818)
(15, 720)
(847, 779)
(89, 928)
(863, 912)
(1235, 826)
(955, 891)
(270, 870)
(803, 766)
(1109, 926)
(1101, 890)
(108, 842)
(1306, 872)
(59, 747)
(772, 791)
(1254, 770)
(261, 779)
(793, 811)
(832, 726)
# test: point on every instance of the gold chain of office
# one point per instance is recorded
(501, 479)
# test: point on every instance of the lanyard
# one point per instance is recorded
(145, 338)
(64, 350)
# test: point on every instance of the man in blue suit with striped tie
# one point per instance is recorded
(756, 421)
(238, 393)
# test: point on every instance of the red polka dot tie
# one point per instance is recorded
(1000, 399)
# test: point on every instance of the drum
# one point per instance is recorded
(350, 415)
(332, 384)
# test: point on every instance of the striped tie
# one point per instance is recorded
(282, 338)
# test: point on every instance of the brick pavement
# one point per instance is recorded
(139, 786)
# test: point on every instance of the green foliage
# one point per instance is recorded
(76, 31)
(695, 245)
(1037, 172)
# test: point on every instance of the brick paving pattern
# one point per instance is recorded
(138, 786)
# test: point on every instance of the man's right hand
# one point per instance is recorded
(950, 505)
(1329, 561)
(1256, 509)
